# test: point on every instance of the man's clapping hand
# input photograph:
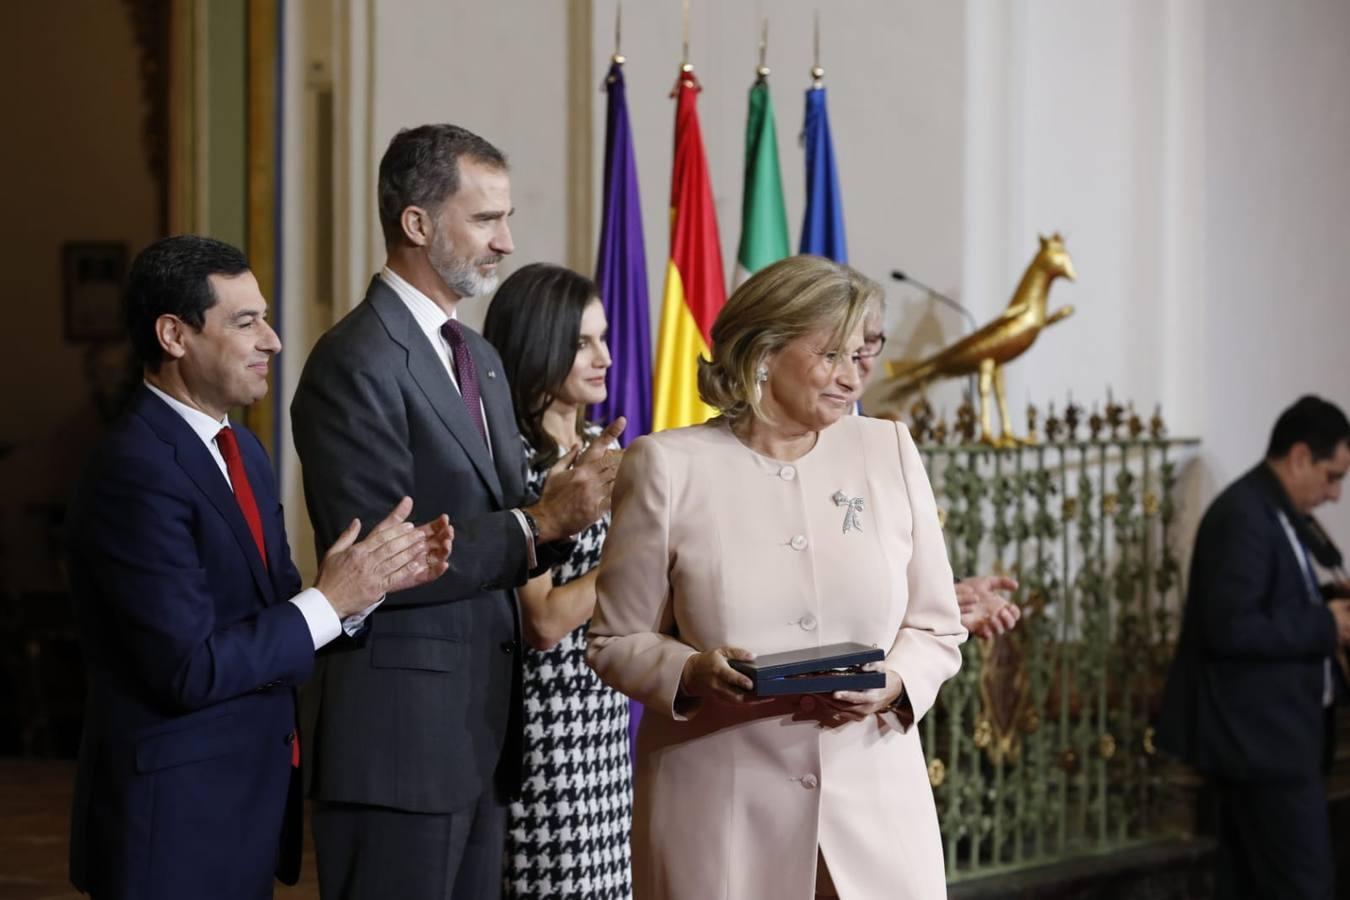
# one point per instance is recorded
(395, 556)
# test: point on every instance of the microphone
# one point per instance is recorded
(899, 275)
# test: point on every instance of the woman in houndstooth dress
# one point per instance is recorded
(568, 834)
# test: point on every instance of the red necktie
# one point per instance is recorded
(243, 491)
(243, 495)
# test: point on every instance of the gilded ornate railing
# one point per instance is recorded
(1041, 748)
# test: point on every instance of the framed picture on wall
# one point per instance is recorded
(94, 273)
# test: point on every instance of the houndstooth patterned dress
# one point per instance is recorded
(568, 832)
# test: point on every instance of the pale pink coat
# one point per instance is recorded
(712, 545)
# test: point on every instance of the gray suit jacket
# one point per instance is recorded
(421, 711)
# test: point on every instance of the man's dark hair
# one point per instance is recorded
(421, 168)
(1312, 421)
(170, 277)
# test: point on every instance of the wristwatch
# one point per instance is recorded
(532, 525)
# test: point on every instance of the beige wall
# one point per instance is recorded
(1277, 219)
(1194, 160)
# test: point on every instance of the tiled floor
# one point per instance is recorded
(34, 817)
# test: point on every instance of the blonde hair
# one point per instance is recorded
(777, 305)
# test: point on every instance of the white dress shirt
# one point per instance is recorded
(1314, 596)
(320, 617)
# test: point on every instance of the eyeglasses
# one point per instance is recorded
(872, 346)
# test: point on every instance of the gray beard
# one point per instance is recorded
(460, 275)
(467, 282)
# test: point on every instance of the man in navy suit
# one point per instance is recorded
(1247, 697)
(194, 628)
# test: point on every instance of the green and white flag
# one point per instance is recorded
(764, 231)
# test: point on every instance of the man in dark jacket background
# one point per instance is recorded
(1248, 696)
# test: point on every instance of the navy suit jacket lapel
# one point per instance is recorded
(262, 479)
(1270, 486)
(429, 374)
(196, 461)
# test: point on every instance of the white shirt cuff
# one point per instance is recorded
(319, 616)
(531, 559)
(356, 621)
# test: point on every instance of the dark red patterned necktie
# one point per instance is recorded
(243, 491)
(466, 373)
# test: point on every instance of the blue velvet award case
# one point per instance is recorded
(814, 670)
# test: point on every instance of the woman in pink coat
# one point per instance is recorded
(783, 524)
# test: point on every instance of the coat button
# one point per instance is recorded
(787, 473)
(289, 739)
(807, 622)
(809, 782)
(798, 542)
(508, 648)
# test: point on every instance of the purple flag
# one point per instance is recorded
(621, 273)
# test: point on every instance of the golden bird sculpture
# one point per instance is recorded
(986, 351)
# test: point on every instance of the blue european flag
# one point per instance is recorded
(823, 225)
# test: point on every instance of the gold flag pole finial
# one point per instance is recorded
(763, 70)
(684, 63)
(817, 73)
(617, 59)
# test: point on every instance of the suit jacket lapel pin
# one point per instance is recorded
(492, 373)
(852, 507)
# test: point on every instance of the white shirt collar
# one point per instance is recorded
(430, 317)
(1296, 544)
(202, 425)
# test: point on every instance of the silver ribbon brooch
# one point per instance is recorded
(852, 507)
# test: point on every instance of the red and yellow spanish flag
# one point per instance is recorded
(695, 286)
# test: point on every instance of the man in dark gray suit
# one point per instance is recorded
(415, 719)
